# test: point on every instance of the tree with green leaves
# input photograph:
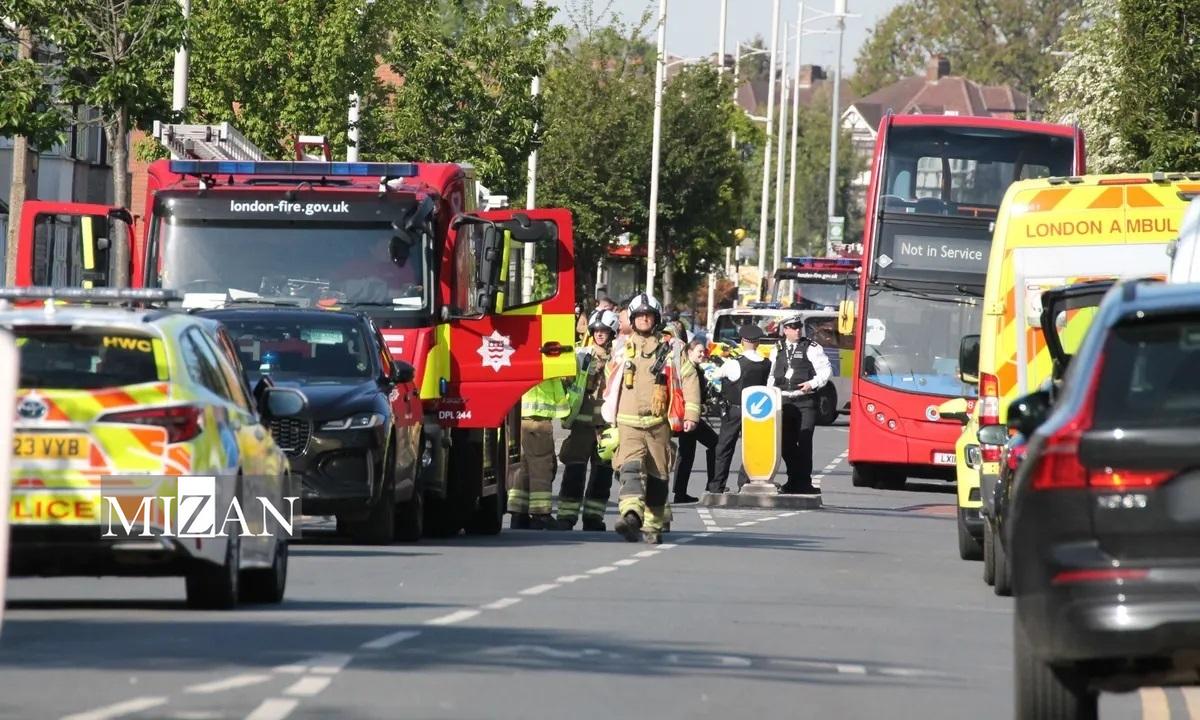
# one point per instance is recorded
(988, 41)
(465, 95)
(280, 68)
(28, 106)
(595, 157)
(115, 56)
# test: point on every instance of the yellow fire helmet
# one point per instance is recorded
(608, 444)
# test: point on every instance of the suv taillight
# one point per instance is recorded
(1058, 467)
(182, 422)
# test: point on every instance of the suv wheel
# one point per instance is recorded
(1047, 693)
(1003, 571)
(410, 518)
(827, 405)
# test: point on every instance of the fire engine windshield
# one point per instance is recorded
(332, 263)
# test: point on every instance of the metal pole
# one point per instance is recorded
(781, 155)
(531, 203)
(791, 250)
(712, 290)
(352, 130)
(659, 78)
(180, 88)
(766, 170)
(721, 40)
(835, 124)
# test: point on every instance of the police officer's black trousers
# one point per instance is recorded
(731, 430)
(704, 435)
(799, 421)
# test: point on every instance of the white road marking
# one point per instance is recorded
(646, 554)
(1191, 698)
(789, 514)
(229, 683)
(747, 523)
(539, 589)
(329, 664)
(1155, 705)
(273, 709)
(126, 707)
(626, 562)
(571, 578)
(769, 519)
(502, 603)
(604, 570)
(387, 641)
(308, 686)
(667, 546)
(686, 539)
(455, 617)
(851, 669)
(703, 534)
(291, 669)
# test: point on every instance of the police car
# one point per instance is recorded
(136, 441)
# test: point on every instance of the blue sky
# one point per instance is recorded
(692, 25)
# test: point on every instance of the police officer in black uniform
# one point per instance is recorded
(747, 370)
(799, 368)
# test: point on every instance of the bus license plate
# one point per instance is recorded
(944, 459)
(50, 447)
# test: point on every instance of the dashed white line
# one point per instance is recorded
(329, 664)
(686, 539)
(703, 534)
(229, 683)
(747, 523)
(389, 640)
(626, 562)
(115, 710)
(291, 669)
(603, 570)
(789, 514)
(571, 578)
(667, 546)
(646, 554)
(455, 617)
(273, 709)
(770, 518)
(502, 603)
(308, 686)
(851, 669)
(539, 589)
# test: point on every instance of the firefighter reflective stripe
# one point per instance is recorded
(518, 500)
(640, 421)
(547, 399)
(437, 363)
(594, 508)
(568, 509)
(540, 502)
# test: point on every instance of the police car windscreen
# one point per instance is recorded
(86, 359)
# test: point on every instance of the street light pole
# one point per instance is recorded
(721, 40)
(791, 234)
(659, 78)
(782, 155)
(766, 171)
(180, 88)
(835, 124)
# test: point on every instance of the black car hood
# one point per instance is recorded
(332, 401)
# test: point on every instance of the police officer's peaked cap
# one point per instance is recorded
(751, 333)
(793, 321)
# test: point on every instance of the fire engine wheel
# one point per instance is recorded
(410, 517)
(488, 518)
(442, 518)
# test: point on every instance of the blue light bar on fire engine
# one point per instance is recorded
(823, 261)
(299, 167)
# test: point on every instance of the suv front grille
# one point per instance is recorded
(291, 435)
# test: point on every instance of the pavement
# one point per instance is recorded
(859, 610)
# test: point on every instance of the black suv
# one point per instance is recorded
(359, 457)
(1104, 526)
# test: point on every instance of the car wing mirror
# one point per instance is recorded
(280, 403)
(955, 409)
(1027, 413)
(402, 372)
(968, 359)
(993, 435)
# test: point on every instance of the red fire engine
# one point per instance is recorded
(481, 303)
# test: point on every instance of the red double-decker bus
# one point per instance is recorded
(936, 184)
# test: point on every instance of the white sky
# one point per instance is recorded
(692, 25)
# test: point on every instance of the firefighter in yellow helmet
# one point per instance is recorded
(644, 372)
(585, 425)
(531, 497)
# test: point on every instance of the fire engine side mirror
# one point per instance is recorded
(479, 261)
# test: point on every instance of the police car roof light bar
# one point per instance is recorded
(823, 261)
(289, 167)
(91, 295)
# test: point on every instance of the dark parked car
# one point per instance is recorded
(359, 457)
(1104, 534)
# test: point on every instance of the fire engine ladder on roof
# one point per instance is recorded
(205, 142)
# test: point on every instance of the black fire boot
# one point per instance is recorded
(519, 521)
(629, 527)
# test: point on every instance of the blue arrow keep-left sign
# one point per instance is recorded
(759, 405)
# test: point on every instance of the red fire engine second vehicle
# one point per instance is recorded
(481, 303)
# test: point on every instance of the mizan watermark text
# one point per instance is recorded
(201, 507)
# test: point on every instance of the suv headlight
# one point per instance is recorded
(361, 421)
(974, 457)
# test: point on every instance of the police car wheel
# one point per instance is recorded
(267, 585)
(969, 548)
(1003, 585)
(216, 587)
(989, 554)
